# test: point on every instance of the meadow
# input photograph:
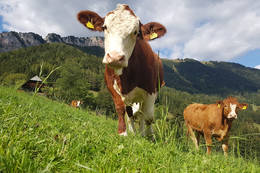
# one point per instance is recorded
(41, 135)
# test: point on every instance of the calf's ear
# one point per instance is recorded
(243, 106)
(219, 103)
(91, 20)
(152, 31)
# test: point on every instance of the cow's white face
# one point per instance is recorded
(232, 112)
(231, 106)
(121, 28)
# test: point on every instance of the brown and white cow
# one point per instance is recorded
(76, 103)
(212, 120)
(133, 72)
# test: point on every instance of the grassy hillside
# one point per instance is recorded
(40, 135)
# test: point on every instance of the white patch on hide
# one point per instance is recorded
(117, 89)
(135, 107)
(123, 134)
(78, 103)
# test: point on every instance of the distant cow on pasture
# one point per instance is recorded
(76, 103)
(212, 120)
(133, 72)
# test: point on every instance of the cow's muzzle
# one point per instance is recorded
(114, 59)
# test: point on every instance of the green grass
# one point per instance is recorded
(40, 135)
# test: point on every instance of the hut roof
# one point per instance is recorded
(36, 78)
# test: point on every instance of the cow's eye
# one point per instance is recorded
(135, 32)
(104, 27)
(225, 106)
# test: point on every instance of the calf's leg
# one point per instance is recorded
(193, 137)
(225, 146)
(198, 137)
(208, 140)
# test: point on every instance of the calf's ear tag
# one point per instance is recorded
(244, 107)
(153, 36)
(90, 25)
(219, 105)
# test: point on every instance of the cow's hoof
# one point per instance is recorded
(123, 134)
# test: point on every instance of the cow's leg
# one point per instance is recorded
(147, 117)
(120, 110)
(121, 121)
(193, 137)
(142, 125)
(148, 113)
(208, 140)
(198, 138)
(225, 145)
(130, 119)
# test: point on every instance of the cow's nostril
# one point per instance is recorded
(122, 58)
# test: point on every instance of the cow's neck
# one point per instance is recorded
(139, 71)
(226, 123)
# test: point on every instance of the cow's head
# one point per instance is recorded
(121, 29)
(231, 106)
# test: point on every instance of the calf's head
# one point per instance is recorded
(121, 30)
(231, 106)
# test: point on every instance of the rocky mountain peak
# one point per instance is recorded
(14, 40)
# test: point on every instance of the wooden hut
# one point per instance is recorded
(31, 84)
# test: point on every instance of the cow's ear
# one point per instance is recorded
(243, 106)
(152, 31)
(219, 103)
(91, 20)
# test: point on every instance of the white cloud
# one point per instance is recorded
(258, 67)
(202, 29)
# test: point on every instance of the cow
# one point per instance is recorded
(133, 72)
(212, 120)
(76, 103)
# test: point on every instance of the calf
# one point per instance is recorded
(212, 120)
(76, 103)
(133, 72)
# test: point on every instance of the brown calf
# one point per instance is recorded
(212, 120)
(76, 103)
(133, 71)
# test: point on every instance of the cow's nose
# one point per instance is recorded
(114, 57)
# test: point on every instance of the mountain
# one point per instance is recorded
(210, 77)
(14, 40)
(183, 74)
(76, 41)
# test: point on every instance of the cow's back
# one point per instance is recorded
(201, 116)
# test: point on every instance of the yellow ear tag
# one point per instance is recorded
(153, 36)
(90, 25)
(244, 107)
(219, 105)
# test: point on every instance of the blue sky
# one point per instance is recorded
(249, 59)
(1, 24)
(203, 29)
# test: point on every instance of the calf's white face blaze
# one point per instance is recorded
(121, 29)
(232, 113)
